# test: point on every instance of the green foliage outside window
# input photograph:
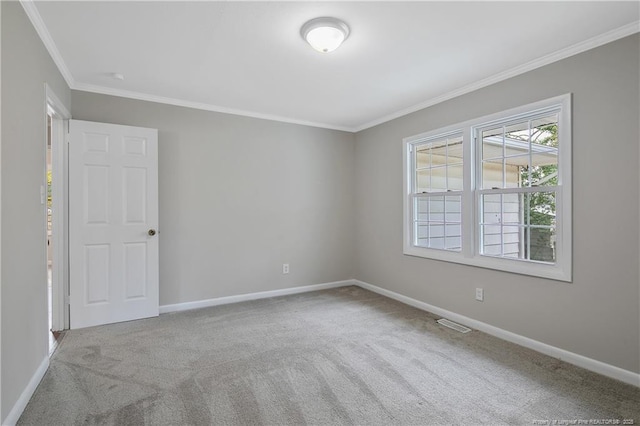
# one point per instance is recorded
(542, 205)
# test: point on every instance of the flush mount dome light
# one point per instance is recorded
(325, 34)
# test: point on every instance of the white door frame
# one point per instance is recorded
(1, 415)
(59, 233)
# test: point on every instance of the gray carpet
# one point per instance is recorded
(342, 356)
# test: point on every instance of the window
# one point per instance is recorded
(437, 193)
(494, 192)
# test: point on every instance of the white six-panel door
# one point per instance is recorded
(113, 220)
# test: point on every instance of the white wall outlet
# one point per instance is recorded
(479, 294)
(285, 268)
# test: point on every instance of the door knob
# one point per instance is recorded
(152, 232)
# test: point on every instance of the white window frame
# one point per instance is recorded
(470, 254)
(446, 193)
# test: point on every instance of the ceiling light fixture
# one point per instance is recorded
(325, 34)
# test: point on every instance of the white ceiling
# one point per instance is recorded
(248, 57)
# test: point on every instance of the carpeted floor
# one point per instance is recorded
(342, 356)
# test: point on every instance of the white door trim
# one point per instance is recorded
(59, 234)
(0, 222)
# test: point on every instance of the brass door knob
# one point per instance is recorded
(152, 232)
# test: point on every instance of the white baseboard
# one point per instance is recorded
(251, 296)
(570, 357)
(27, 393)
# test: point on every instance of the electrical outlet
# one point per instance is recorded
(479, 294)
(285, 268)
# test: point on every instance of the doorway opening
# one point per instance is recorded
(52, 337)
(53, 334)
(55, 201)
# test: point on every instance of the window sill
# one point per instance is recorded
(540, 270)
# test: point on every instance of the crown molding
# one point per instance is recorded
(575, 49)
(36, 20)
(202, 106)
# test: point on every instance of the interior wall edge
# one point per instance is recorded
(26, 68)
(27, 393)
(1, 213)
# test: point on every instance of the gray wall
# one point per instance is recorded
(241, 196)
(597, 315)
(26, 66)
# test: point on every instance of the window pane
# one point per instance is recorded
(436, 209)
(517, 160)
(544, 132)
(543, 244)
(492, 174)
(528, 149)
(453, 239)
(541, 237)
(517, 132)
(423, 180)
(423, 156)
(544, 157)
(422, 235)
(435, 161)
(491, 208)
(542, 208)
(436, 235)
(455, 150)
(491, 241)
(439, 152)
(492, 143)
(505, 209)
(421, 209)
(453, 243)
(436, 230)
(504, 227)
(437, 222)
(503, 241)
(453, 209)
(438, 179)
(519, 226)
(516, 171)
(455, 179)
(511, 204)
(454, 203)
(512, 239)
(545, 169)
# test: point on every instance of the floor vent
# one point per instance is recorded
(453, 325)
